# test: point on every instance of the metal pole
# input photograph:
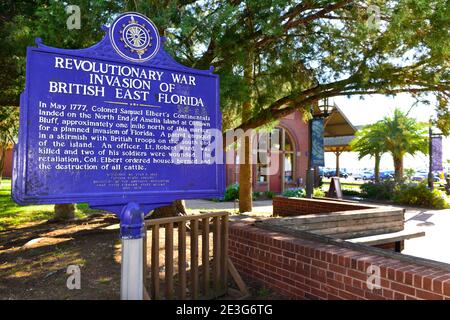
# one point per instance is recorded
(430, 155)
(132, 281)
(132, 234)
(310, 171)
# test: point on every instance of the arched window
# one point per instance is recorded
(265, 143)
(283, 148)
(288, 156)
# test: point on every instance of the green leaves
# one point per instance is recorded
(22, 22)
(404, 135)
(397, 134)
(369, 141)
(414, 194)
(303, 50)
(9, 125)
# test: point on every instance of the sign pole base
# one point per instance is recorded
(132, 234)
(310, 183)
(132, 282)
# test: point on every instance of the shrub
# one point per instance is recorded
(378, 191)
(231, 192)
(268, 194)
(256, 195)
(409, 173)
(414, 194)
(351, 193)
(319, 193)
(294, 192)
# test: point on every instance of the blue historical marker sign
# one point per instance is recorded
(117, 123)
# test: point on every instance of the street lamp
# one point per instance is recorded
(325, 110)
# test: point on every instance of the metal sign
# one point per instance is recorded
(436, 153)
(117, 123)
(317, 149)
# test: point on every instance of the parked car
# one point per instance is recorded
(332, 173)
(386, 175)
(370, 175)
(423, 176)
(364, 175)
(322, 171)
(419, 176)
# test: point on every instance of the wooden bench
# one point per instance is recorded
(346, 224)
(394, 237)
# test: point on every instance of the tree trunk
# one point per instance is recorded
(245, 167)
(64, 212)
(2, 161)
(398, 166)
(245, 178)
(377, 168)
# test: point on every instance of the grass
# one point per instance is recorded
(263, 293)
(345, 186)
(13, 215)
(345, 181)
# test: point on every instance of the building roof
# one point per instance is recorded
(338, 131)
(340, 143)
(337, 124)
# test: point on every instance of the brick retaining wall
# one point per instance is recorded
(285, 206)
(305, 269)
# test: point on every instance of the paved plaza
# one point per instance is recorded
(435, 223)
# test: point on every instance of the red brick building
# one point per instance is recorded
(293, 152)
(7, 169)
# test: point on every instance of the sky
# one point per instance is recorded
(372, 109)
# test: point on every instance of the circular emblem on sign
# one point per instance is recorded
(134, 37)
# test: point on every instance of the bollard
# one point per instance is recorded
(310, 183)
(132, 235)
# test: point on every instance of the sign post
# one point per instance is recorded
(132, 235)
(121, 126)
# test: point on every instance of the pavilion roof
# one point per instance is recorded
(338, 131)
(340, 143)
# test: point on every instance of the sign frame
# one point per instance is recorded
(110, 201)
